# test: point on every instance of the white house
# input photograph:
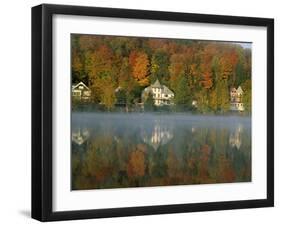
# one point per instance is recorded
(162, 95)
(236, 103)
(81, 92)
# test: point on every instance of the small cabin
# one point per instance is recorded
(81, 92)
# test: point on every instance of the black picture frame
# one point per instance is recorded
(42, 107)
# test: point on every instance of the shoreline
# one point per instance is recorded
(164, 113)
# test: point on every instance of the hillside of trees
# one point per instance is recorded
(194, 70)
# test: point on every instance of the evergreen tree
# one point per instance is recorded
(182, 97)
(223, 95)
(159, 66)
(149, 103)
(247, 95)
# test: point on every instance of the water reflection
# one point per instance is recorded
(132, 150)
(80, 135)
(160, 133)
(235, 139)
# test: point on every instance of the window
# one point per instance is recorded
(76, 93)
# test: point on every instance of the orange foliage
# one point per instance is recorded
(136, 164)
(228, 63)
(207, 80)
(176, 68)
(173, 164)
(76, 62)
(204, 158)
(101, 61)
(132, 58)
(140, 63)
(226, 171)
(156, 43)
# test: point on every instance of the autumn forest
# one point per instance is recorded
(194, 70)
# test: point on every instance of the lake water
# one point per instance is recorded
(112, 150)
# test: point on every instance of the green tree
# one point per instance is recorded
(182, 93)
(247, 95)
(77, 61)
(159, 66)
(213, 104)
(223, 95)
(201, 96)
(99, 66)
(176, 68)
(107, 90)
(149, 102)
(221, 88)
(128, 85)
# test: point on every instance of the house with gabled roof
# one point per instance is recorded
(81, 92)
(236, 102)
(161, 94)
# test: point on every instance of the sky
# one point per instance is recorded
(245, 45)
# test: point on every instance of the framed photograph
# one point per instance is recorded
(146, 112)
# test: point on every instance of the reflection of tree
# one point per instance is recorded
(203, 169)
(136, 164)
(225, 170)
(124, 156)
(172, 164)
(98, 163)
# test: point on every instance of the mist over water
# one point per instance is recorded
(113, 150)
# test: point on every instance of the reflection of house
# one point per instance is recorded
(79, 136)
(235, 138)
(81, 92)
(194, 103)
(161, 94)
(159, 135)
(236, 103)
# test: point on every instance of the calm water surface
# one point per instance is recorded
(131, 150)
